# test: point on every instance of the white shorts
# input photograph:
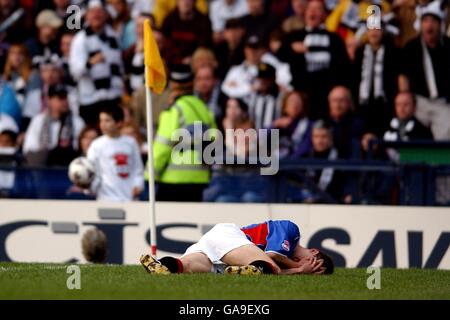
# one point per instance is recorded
(217, 242)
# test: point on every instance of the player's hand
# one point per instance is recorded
(312, 265)
(299, 47)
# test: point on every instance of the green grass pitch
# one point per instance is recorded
(48, 281)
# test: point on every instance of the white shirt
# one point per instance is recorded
(32, 141)
(239, 80)
(118, 167)
(8, 123)
(33, 102)
(220, 12)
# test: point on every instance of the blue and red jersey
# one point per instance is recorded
(278, 236)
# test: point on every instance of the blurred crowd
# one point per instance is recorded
(331, 75)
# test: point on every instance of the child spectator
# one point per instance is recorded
(87, 136)
(118, 163)
(294, 125)
(239, 143)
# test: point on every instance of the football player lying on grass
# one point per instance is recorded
(271, 247)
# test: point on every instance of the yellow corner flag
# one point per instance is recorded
(155, 77)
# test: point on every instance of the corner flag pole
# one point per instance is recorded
(151, 172)
(155, 79)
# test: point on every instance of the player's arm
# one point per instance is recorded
(282, 261)
(312, 266)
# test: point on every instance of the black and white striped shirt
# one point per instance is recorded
(102, 81)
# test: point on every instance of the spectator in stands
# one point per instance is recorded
(19, 29)
(8, 148)
(317, 58)
(139, 7)
(231, 51)
(376, 79)
(265, 101)
(223, 10)
(186, 29)
(328, 183)
(294, 125)
(405, 126)
(239, 143)
(18, 71)
(8, 103)
(64, 47)
(207, 88)
(347, 127)
(427, 71)
(259, 21)
(405, 14)
(46, 43)
(119, 167)
(240, 79)
(297, 20)
(203, 57)
(95, 63)
(164, 7)
(87, 135)
(134, 56)
(122, 24)
(36, 100)
(52, 137)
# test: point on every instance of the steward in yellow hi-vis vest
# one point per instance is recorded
(179, 169)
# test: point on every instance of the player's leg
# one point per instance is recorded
(196, 262)
(249, 259)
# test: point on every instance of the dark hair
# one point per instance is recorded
(11, 135)
(328, 263)
(115, 111)
(94, 246)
